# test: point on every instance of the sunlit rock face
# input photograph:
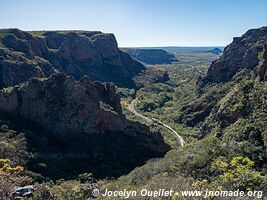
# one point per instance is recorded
(245, 55)
(77, 53)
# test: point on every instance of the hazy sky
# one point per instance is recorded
(141, 22)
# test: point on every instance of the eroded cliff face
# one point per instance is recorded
(50, 93)
(63, 105)
(232, 98)
(245, 55)
(244, 58)
(80, 122)
(77, 53)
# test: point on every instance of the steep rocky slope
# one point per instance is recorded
(55, 119)
(246, 54)
(244, 58)
(232, 98)
(74, 125)
(78, 53)
(63, 105)
(151, 56)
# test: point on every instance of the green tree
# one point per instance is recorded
(238, 173)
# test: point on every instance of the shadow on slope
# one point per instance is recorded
(104, 154)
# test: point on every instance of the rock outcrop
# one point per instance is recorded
(63, 105)
(77, 53)
(81, 118)
(244, 58)
(50, 90)
(151, 56)
(246, 54)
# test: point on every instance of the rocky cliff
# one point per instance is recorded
(245, 55)
(231, 103)
(63, 105)
(80, 122)
(77, 53)
(244, 58)
(151, 56)
(50, 92)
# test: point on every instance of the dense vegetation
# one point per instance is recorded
(232, 126)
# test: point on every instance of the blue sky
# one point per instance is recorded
(141, 22)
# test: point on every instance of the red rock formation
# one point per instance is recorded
(242, 55)
(63, 105)
(75, 53)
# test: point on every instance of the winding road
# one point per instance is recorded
(153, 120)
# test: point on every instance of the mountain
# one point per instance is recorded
(231, 101)
(244, 58)
(151, 56)
(184, 49)
(63, 105)
(63, 121)
(39, 54)
(57, 126)
(81, 122)
(245, 55)
(216, 51)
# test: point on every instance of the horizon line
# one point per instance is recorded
(173, 46)
(88, 30)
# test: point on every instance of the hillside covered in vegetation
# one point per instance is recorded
(68, 137)
(220, 110)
